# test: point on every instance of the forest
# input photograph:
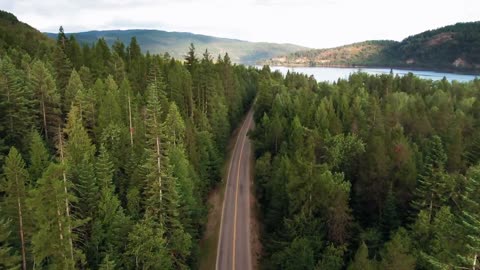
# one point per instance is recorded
(107, 154)
(371, 172)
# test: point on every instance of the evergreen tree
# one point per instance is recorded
(433, 181)
(74, 86)
(79, 156)
(175, 126)
(191, 59)
(397, 253)
(39, 156)
(389, 219)
(361, 261)
(47, 99)
(13, 203)
(62, 67)
(148, 247)
(9, 259)
(51, 238)
(332, 258)
(15, 104)
(470, 219)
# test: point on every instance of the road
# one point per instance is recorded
(233, 251)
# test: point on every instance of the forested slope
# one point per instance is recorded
(452, 48)
(107, 154)
(373, 172)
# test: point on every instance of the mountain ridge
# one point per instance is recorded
(454, 48)
(176, 43)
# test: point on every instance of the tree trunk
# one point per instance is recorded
(475, 262)
(20, 222)
(130, 120)
(158, 160)
(67, 204)
(44, 118)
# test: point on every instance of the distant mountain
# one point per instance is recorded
(455, 47)
(177, 43)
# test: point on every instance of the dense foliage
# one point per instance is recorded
(373, 172)
(107, 154)
(453, 47)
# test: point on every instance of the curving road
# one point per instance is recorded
(233, 251)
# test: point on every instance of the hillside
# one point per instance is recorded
(177, 43)
(367, 52)
(19, 35)
(455, 47)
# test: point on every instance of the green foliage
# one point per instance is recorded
(147, 246)
(397, 253)
(14, 188)
(361, 260)
(39, 156)
(54, 235)
(16, 112)
(139, 141)
(332, 258)
(360, 158)
(8, 258)
(47, 100)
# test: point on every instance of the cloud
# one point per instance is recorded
(313, 23)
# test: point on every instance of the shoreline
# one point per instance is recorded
(437, 70)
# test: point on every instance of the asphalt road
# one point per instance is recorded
(233, 250)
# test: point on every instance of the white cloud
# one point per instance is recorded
(313, 23)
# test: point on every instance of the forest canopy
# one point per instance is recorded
(107, 154)
(371, 172)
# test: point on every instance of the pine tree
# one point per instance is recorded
(86, 102)
(79, 161)
(148, 247)
(107, 264)
(74, 86)
(51, 238)
(161, 189)
(361, 261)
(472, 152)
(470, 219)
(332, 258)
(8, 258)
(432, 183)
(389, 219)
(15, 104)
(175, 131)
(14, 188)
(109, 111)
(191, 59)
(47, 98)
(397, 252)
(62, 67)
(155, 165)
(79, 157)
(110, 224)
(39, 156)
(74, 52)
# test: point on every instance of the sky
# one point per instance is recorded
(311, 23)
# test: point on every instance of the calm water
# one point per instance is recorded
(332, 74)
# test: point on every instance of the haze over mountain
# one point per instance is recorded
(177, 43)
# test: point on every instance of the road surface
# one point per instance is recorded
(233, 251)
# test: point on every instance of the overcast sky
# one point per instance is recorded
(312, 23)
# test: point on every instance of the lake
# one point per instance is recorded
(331, 74)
